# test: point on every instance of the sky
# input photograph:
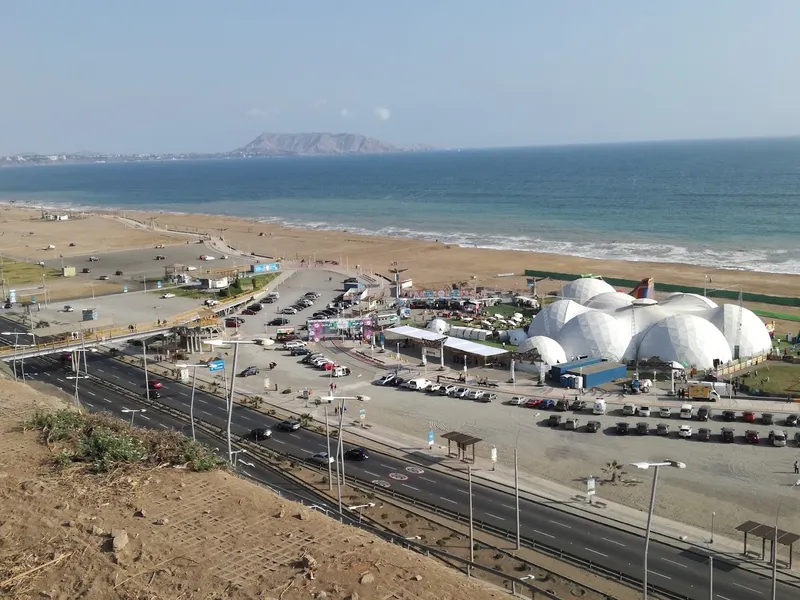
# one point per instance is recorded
(207, 76)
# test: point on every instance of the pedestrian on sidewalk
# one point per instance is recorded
(796, 467)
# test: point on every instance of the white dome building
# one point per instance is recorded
(584, 289)
(754, 339)
(610, 301)
(549, 321)
(637, 319)
(439, 326)
(550, 350)
(594, 334)
(688, 339)
(515, 336)
(681, 302)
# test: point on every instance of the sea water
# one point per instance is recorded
(732, 204)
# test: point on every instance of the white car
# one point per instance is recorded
(385, 379)
(289, 311)
(447, 390)
(206, 257)
(191, 268)
(643, 411)
(629, 409)
(474, 394)
(211, 302)
(322, 458)
(459, 392)
(168, 295)
(294, 344)
(434, 387)
(685, 431)
(665, 412)
(517, 400)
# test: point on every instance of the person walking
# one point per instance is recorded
(796, 467)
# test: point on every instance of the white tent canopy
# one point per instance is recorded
(416, 333)
(450, 343)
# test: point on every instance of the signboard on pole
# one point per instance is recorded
(216, 365)
(125, 289)
(158, 284)
(430, 439)
(590, 486)
(362, 415)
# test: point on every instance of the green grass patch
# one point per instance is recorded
(16, 273)
(776, 315)
(105, 443)
(783, 379)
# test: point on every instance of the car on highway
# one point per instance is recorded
(278, 322)
(322, 458)
(643, 411)
(751, 436)
(662, 429)
(261, 433)
(642, 428)
(629, 409)
(685, 431)
(168, 295)
(554, 420)
(289, 425)
(356, 454)
(623, 428)
(517, 400)
(249, 371)
(562, 405)
(473, 394)
(578, 405)
(118, 273)
(205, 257)
(767, 418)
(155, 384)
(728, 435)
(729, 415)
(749, 416)
(151, 394)
(790, 421)
(665, 412)
(571, 423)
(593, 426)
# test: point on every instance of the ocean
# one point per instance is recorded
(726, 204)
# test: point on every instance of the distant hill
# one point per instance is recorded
(303, 144)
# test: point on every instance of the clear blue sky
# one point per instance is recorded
(202, 75)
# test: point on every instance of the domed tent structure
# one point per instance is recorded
(754, 339)
(548, 349)
(549, 321)
(610, 301)
(440, 326)
(594, 334)
(682, 302)
(688, 339)
(637, 319)
(584, 289)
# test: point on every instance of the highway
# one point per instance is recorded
(682, 572)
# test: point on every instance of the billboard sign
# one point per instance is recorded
(216, 365)
(265, 267)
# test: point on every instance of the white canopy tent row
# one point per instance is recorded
(454, 345)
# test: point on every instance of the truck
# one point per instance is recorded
(703, 390)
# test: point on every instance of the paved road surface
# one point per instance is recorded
(680, 571)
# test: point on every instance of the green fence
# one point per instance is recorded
(673, 287)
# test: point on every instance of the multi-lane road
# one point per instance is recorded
(680, 571)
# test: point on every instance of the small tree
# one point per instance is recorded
(613, 471)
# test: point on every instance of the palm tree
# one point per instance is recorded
(613, 470)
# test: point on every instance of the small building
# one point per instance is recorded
(68, 271)
(214, 283)
(598, 373)
(89, 314)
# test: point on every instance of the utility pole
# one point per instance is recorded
(516, 498)
(471, 529)
(328, 442)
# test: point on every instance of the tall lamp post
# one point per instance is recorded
(16, 335)
(775, 544)
(235, 344)
(133, 412)
(194, 386)
(655, 466)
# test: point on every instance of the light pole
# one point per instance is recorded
(655, 466)
(516, 498)
(76, 377)
(235, 344)
(328, 442)
(194, 386)
(16, 335)
(133, 412)
(775, 544)
(235, 454)
(713, 514)
(471, 529)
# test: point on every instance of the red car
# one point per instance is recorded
(155, 384)
(751, 437)
(533, 403)
(748, 416)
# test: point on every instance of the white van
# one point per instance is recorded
(274, 295)
(599, 407)
(420, 384)
(686, 411)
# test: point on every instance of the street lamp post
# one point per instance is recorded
(655, 466)
(328, 442)
(194, 386)
(235, 455)
(235, 344)
(133, 412)
(775, 544)
(16, 335)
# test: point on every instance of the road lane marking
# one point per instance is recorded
(246, 474)
(662, 575)
(560, 524)
(87, 404)
(59, 379)
(371, 473)
(462, 491)
(145, 417)
(107, 400)
(411, 487)
(100, 370)
(613, 542)
(277, 441)
(495, 517)
(387, 466)
(91, 393)
(183, 393)
(675, 563)
(723, 597)
(544, 534)
(164, 426)
(509, 507)
(447, 500)
(201, 401)
(744, 587)
(595, 551)
(428, 480)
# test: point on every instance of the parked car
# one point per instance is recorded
(642, 428)
(629, 409)
(571, 423)
(662, 429)
(105, 278)
(547, 404)
(749, 416)
(532, 403)
(473, 394)
(593, 426)
(643, 411)
(554, 420)
(728, 435)
(767, 418)
(289, 425)
(778, 437)
(299, 351)
(86, 270)
(163, 296)
(729, 415)
(685, 431)
(434, 388)
(703, 414)
(665, 412)
(488, 397)
(577, 405)
(278, 322)
(623, 428)
(459, 392)
(357, 454)
(704, 434)
(562, 405)
(517, 400)
(93, 259)
(751, 436)
(288, 311)
(119, 273)
(446, 390)
(261, 434)
(398, 381)
(253, 370)
(790, 421)
(160, 257)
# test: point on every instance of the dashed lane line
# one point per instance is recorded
(544, 534)
(561, 524)
(411, 487)
(277, 441)
(675, 563)
(662, 575)
(371, 473)
(309, 452)
(447, 500)
(613, 542)
(89, 405)
(91, 393)
(494, 516)
(744, 587)
(509, 507)
(428, 480)
(100, 370)
(145, 417)
(107, 400)
(592, 550)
